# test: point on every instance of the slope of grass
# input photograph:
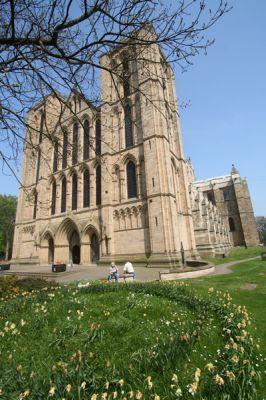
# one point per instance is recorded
(247, 286)
(238, 253)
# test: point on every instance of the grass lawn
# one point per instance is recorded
(238, 253)
(247, 286)
(142, 341)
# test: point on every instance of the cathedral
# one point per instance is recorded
(112, 183)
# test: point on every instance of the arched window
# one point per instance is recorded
(63, 195)
(131, 180)
(231, 224)
(74, 191)
(64, 155)
(126, 77)
(75, 144)
(38, 165)
(98, 186)
(128, 126)
(117, 190)
(55, 163)
(41, 127)
(35, 205)
(39, 149)
(53, 198)
(86, 140)
(98, 137)
(86, 188)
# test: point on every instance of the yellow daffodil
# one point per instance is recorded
(68, 388)
(230, 375)
(52, 391)
(83, 385)
(219, 380)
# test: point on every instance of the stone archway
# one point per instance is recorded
(74, 247)
(67, 242)
(94, 248)
(90, 245)
(50, 250)
(47, 249)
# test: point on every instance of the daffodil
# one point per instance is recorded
(230, 375)
(219, 380)
(68, 388)
(83, 385)
(52, 391)
(150, 384)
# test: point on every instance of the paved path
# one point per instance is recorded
(94, 273)
(143, 274)
(90, 273)
(224, 269)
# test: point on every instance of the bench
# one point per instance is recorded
(126, 277)
(4, 267)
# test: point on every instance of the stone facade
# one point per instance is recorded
(143, 210)
(112, 183)
(229, 194)
(211, 233)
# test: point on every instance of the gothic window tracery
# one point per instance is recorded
(86, 188)
(63, 195)
(55, 163)
(126, 77)
(74, 191)
(86, 140)
(128, 126)
(75, 144)
(35, 205)
(53, 207)
(65, 146)
(39, 149)
(131, 180)
(98, 185)
(117, 189)
(98, 138)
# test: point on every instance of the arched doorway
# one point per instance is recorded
(95, 248)
(74, 248)
(76, 254)
(50, 251)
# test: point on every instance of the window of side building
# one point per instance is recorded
(210, 197)
(226, 194)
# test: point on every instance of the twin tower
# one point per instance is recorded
(108, 183)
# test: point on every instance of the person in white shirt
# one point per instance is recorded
(128, 269)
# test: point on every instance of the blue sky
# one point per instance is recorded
(226, 120)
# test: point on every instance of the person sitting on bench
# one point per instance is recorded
(113, 272)
(129, 270)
